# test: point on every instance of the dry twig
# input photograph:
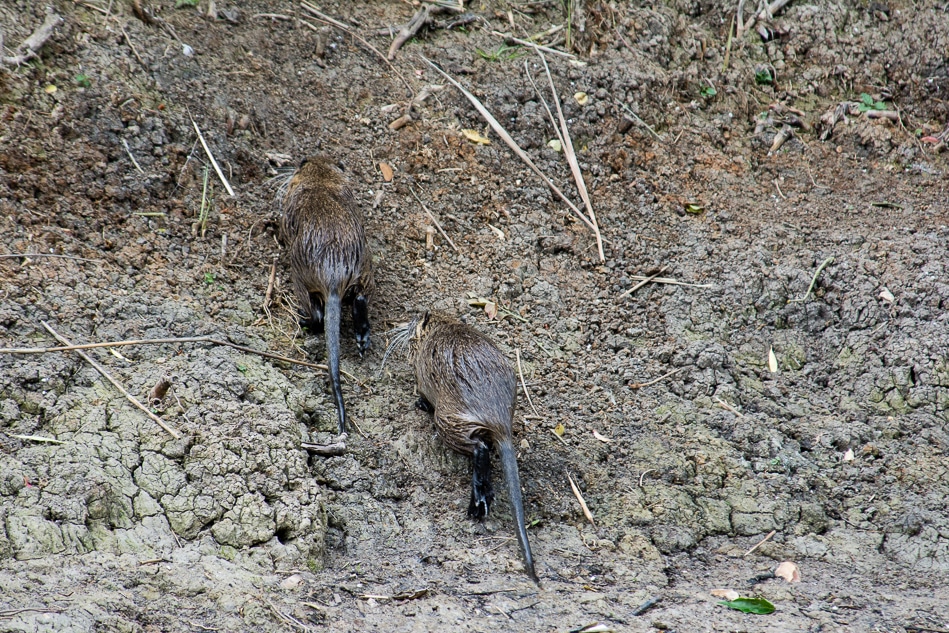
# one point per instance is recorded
(728, 407)
(583, 504)
(766, 13)
(175, 434)
(761, 542)
(36, 438)
(511, 143)
(328, 20)
(207, 151)
(508, 38)
(326, 450)
(29, 47)
(162, 341)
(527, 394)
(572, 160)
(640, 385)
(29, 255)
(435, 220)
(643, 283)
(639, 121)
(824, 264)
(128, 150)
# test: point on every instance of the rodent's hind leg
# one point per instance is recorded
(361, 322)
(422, 404)
(482, 493)
(314, 319)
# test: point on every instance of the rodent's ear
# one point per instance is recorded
(341, 165)
(421, 324)
(304, 162)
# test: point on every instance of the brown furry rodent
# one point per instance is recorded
(470, 386)
(330, 262)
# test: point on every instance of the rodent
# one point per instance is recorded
(470, 387)
(330, 262)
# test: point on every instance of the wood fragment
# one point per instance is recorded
(571, 155)
(207, 150)
(36, 438)
(583, 503)
(647, 605)
(643, 283)
(157, 393)
(56, 255)
(322, 17)
(640, 385)
(667, 280)
(728, 407)
(164, 341)
(892, 115)
(128, 151)
(326, 450)
(766, 13)
(421, 18)
(510, 39)
(511, 143)
(175, 434)
(761, 542)
(435, 220)
(128, 41)
(32, 44)
(824, 264)
(639, 121)
(270, 286)
(520, 372)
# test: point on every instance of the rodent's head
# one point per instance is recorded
(322, 169)
(406, 336)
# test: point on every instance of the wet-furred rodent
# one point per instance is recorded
(470, 387)
(330, 263)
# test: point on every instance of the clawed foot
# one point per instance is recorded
(424, 405)
(482, 493)
(362, 342)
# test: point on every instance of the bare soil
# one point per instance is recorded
(829, 252)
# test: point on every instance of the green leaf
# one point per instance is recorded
(866, 99)
(759, 606)
(186, 3)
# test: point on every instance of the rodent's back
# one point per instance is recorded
(322, 226)
(470, 382)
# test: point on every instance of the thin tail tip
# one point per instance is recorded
(529, 568)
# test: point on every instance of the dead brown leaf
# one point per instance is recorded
(789, 571)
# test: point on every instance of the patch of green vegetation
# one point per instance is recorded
(763, 77)
(209, 278)
(501, 53)
(708, 92)
(186, 3)
(83, 80)
(867, 103)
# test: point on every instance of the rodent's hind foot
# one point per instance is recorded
(362, 342)
(482, 493)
